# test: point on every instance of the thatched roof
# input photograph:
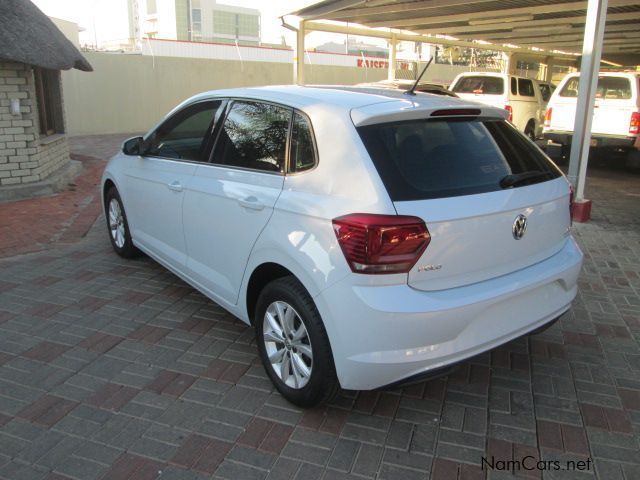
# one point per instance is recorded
(28, 36)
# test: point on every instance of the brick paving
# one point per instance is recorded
(114, 369)
(65, 217)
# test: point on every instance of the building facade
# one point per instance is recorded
(32, 141)
(33, 144)
(196, 21)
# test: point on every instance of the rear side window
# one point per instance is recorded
(514, 86)
(303, 152)
(254, 135)
(612, 88)
(480, 84)
(525, 87)
(425, 159)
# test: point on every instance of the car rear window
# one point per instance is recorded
(480, 84)
(426, 159)
(613, 88)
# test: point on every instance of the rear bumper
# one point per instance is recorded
(611, 141)
(381, 335)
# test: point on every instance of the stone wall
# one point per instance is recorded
(25, 155)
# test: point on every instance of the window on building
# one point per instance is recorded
(248, 25)
(224, 23)
(49, 99)
(236, 24)
(196, 23)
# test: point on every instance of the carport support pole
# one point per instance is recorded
(298, 64)
(393, 45)
(589, 69)
(548, 74)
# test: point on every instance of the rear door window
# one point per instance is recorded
(481, 84)
(254, 136)
(609, 88)
(426, 159)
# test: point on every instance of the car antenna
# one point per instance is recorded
(413, 87)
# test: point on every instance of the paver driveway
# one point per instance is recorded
(117, 369)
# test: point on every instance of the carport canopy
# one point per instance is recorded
(585, 31)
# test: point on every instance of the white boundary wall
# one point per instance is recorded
(132, 92)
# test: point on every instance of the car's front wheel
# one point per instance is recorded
(118, 226)
(293, 343)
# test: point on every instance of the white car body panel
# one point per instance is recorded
(462, 226)
(399, 331)
(150, 182)
(382, 328)
(224, 212)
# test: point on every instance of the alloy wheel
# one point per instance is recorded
(116, 223)
(287, 344)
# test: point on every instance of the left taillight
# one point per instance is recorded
(634, 123)
(509, 109)
(377, 244)
(547, 117)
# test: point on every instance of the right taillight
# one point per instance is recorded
(376, 244)
(634, 124)
(547, 117)
(509, 109)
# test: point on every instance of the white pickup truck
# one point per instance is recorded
(616, 116)
(520, 96)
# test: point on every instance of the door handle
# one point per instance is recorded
(176, 186)
(251, 202)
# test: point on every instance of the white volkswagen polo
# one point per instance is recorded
(370, 237)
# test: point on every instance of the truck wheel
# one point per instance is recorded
(530, 130)
(633, 160)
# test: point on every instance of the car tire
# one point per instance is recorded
(632, 160)
(530, 131)
(301, 365)
(117, 225)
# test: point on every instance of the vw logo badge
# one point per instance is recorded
(519, 227)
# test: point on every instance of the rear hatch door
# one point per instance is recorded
(615, 101)
(477, 184)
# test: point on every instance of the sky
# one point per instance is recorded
(113, 14)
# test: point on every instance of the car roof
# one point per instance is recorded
(343, 96)
(364, 104)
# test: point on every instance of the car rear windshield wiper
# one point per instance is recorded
(514, 179)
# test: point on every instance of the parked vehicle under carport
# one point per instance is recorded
(616, 118)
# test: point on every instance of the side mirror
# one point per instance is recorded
(133, 146)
